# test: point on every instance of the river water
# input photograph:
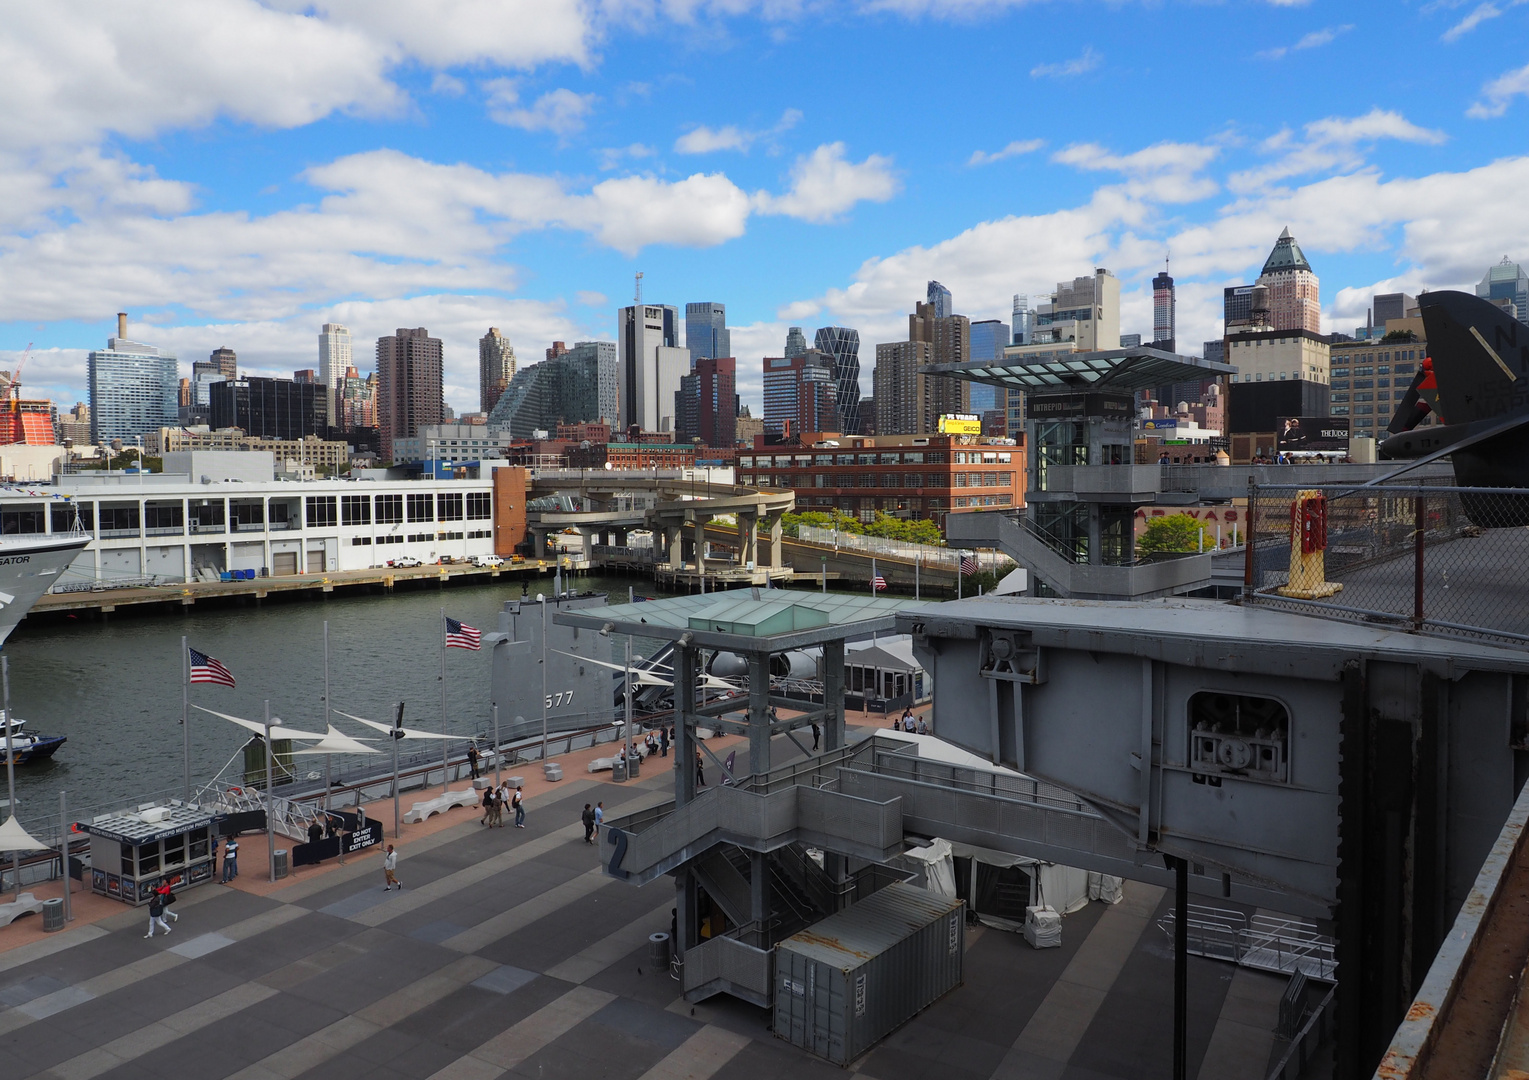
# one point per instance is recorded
(114, 686)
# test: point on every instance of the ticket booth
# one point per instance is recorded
(132, 851)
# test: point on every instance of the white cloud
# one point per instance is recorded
(1062, 69)
(449, 85)
(1014, 149)
(1498, 94)
(560, 111)
(1314, 40)
(613, 156)
(1332, 144)
(824, 185)
(1164, 172)
(1480, 14)
(704, 140)
(591, 299)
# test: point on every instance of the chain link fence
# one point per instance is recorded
(1426, 559)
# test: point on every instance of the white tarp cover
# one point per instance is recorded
(14, 838)
(1065, 889)
(939, 868)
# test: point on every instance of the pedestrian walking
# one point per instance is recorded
(230, 859)
(663, 742)
(315, 831)
(166, 893)
(599, 819)
(472, 759)
(390, 864)
(816, 734)
(700, 773)
(923, 726)
(588, 817)
(488, 807)
(518, 800)
(157, 915)
(500, 799)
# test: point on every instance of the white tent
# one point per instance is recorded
(14, 838)
(337, 742)
(937, 865)
(278, 729)
(408, 732)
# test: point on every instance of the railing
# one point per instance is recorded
(165, 530)
(1268, 943)
(1314, 1033)
(197, 528)
(724, 963)
(1420, 558)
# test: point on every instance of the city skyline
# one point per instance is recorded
(469, 175)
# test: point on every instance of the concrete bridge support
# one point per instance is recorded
(748, 539)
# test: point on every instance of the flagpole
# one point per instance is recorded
(496, 744)
(10, 768)
(186, 714)
(959, 575)
(270, 798)
(873, 575)
(328, 783)
(445, 743)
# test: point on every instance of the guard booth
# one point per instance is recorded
(133, 851)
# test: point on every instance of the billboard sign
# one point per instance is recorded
(1325, 434)
(1168, 424)
(960, 424)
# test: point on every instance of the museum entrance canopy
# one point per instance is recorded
(1125, 370)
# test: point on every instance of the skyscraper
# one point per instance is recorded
(355, 401)
(221, 366)
(1022, 321)
(1395, 305)
(937, 297)
(796, 342)
(843, 344)
(1295, 301)
(334, 354)
(1164, 312)
(950, 340)
(134, 388)
(1506, 283)
(409, 383)
(706, 331)
(651, 365)
(496, 367)
(706, 406)
(270, 408)
(1084, 311)
(799, 393)
(988, 340)
(895, 386)
(575, 386)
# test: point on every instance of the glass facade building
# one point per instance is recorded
(706, 331)
(1506, 283)
(843, 344)
(134, 390)
(988, 340)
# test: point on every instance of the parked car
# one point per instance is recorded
(406, 561)
(486, 562)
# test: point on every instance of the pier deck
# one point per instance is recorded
(508, 954)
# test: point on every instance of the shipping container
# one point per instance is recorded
(849, 981)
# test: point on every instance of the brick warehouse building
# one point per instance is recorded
(920, 476)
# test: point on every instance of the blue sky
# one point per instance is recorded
(237, 173)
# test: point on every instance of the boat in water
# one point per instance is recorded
(30, 564)
(26, 747)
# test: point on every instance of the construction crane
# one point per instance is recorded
(15, 430)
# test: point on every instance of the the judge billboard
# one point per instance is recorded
(1326, 434)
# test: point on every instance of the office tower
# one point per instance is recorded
(134, 388)
(796, 343)
(1388, 306)
(843, 344)
(989, 336)
(270, 408)
(651, 365)
(800, 393)
(706, 406)
(1022, 320)
(1504, 284)
(937, 297)
(496, 367)
(706, 331)
(224, 361)
(1215, 351)
(408, 385)
(1164, 313)
(1294, 292)
(577, 386)
(355, 401)
(1084, 311)
(183, 396)
(1130, 341)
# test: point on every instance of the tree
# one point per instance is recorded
(1175, 533)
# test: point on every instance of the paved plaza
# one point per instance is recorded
(508, 954)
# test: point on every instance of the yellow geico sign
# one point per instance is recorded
(960, 424)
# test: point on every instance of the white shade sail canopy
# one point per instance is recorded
(337, 742)
(278, 730)
(643, 678)
(14, 838)
(408, 733)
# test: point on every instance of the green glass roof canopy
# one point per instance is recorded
(1124, 370)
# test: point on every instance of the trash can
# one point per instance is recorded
(618, 772)
(633, 767)
(53, 915)
(281, 862)
(658, 950)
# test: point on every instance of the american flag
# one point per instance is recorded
(205, 669)
(968, 565)
(880, 583)
(462, 636)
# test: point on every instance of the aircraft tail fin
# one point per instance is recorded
(1480, 357)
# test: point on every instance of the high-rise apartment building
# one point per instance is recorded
(335, 358)
(651, 365)
(224, 361)
(556, 349)
(706, 331)
(706, 406)
(800, 393)
(578, 385)
(134, 388)
(896, 384)
(989, 337)
(1504, 284)
(1295, 301)
(270, 408)
(306, 375)
(1164, 313)
(950, 339)
(1084, 312)
(496, 367)
(843, 344)
(796, 343)
(409, 385)
(938, 298)
(355, 400)
(1021, 321)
